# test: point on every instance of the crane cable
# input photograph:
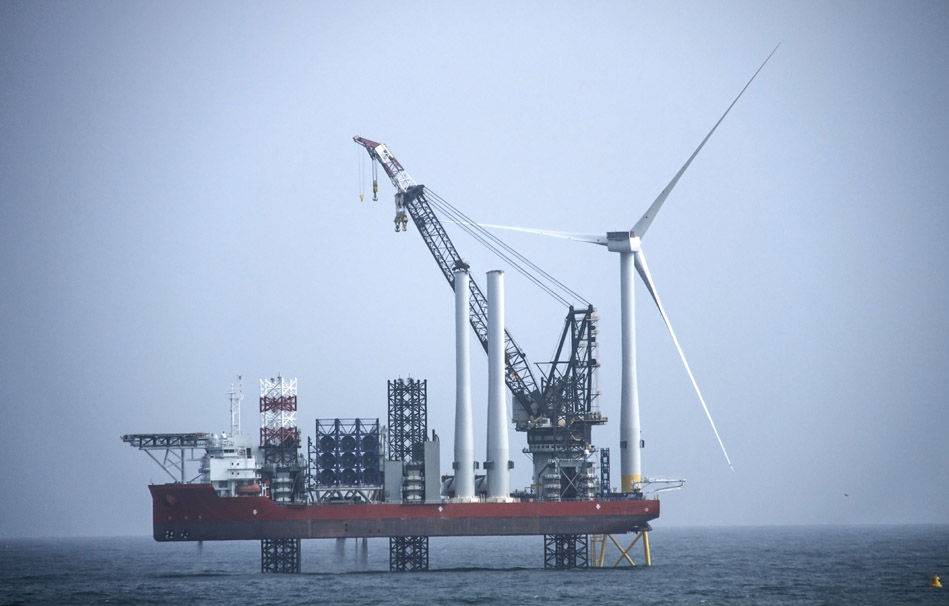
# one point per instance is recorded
(483, 236)
(566, 289)
(361, 174)
(484, 242)
(486, 238)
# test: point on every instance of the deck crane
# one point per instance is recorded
(557, 413)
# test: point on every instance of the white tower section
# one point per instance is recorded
(498, 449)
(464, 432)
(631, 467)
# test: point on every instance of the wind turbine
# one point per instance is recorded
(629, 246)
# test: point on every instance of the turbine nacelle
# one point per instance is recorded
(622, 241)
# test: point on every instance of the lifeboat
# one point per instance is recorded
(248, 489)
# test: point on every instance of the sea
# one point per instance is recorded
(731, 565)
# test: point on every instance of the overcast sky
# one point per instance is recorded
(179, 204)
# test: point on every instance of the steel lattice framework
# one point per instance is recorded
(408, 554)
(562, 551)
(568, 385)
(408, 419)
(278, 411)
(279, 444)
(280, 556)
(408, 429)
(174, 445)
(279, 436)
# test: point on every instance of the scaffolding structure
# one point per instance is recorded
(408, 429)
(408, 554)
(408, 419)
(280, 555)
(281, 468)
(563, 551)
(279, 436)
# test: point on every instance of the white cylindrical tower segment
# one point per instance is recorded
(498, 449)
(630, 453)
(464, 432)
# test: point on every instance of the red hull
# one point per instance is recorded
(194, 512)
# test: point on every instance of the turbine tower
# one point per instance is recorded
(629, 246)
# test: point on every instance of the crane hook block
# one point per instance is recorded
(401, 221)
(375, 190)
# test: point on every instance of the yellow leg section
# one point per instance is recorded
(624, 553)
(646, 548)
(631, 483)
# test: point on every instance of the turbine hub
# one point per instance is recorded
(622, 241)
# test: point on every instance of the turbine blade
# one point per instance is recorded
(589, 238)
(646, 220)
(643, 270)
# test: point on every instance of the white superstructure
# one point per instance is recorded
(230, 465)
(230, 461)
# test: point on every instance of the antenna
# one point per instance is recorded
(235, 395)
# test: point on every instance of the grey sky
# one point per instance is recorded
(179, 205)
